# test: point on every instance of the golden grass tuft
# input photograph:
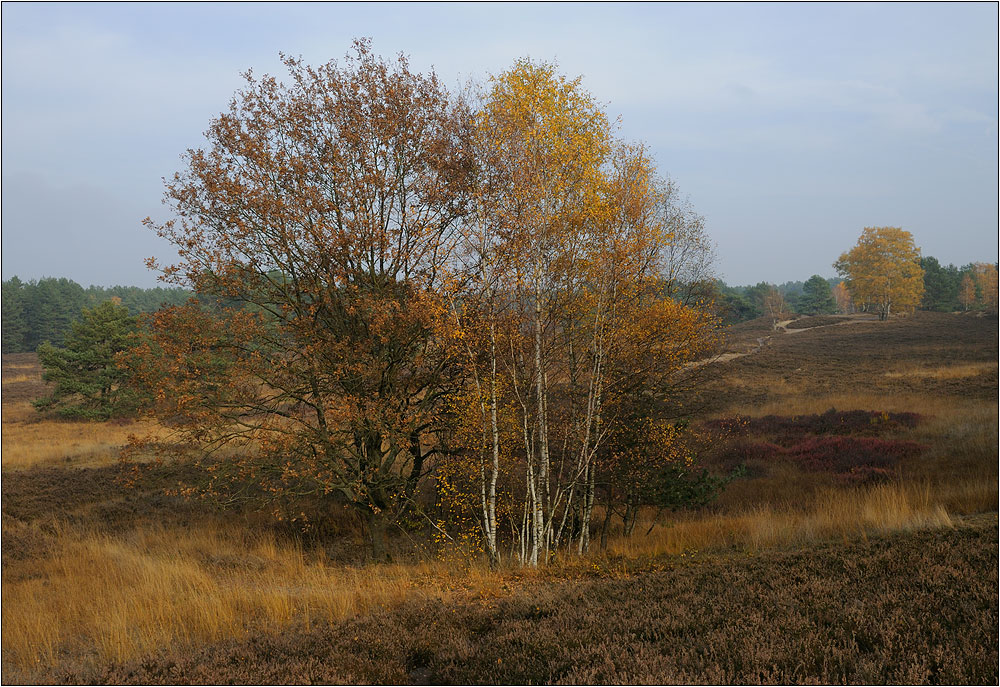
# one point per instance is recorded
(117, 597)
(21, 378)
(943, 371)
(29, 441)
(834, 514)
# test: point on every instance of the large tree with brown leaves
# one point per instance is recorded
(325, 207)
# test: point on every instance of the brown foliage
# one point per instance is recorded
(326, 208)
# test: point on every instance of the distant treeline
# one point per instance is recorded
(37, 311)
(942, 292)
(42, 310)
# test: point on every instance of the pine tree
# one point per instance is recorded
(817, 298)
(13, 327)
(941, 285)
(88, 383)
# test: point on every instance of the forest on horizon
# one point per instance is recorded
(36, 311)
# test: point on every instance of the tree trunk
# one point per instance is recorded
(608, 513)
(588, 507)
(378, 525)
(541, 479)
(631, 515)
(491, 494)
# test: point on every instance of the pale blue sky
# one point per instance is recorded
(790, 127)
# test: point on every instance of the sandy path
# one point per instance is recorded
(783, 325)
(763, 341)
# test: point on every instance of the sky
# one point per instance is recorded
(789, 127)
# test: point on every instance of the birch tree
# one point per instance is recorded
(883, 271)
(573, 250)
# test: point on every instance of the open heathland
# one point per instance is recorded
(834, 613)
(858, 544)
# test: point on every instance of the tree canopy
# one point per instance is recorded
(328, 207)
(817, 297)
(484, 287)
(43, 310)
(883, 271)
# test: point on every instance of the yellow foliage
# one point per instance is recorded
(883, 271)
(986, 280)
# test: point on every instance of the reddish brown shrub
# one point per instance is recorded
(852, 459)
(840, 422)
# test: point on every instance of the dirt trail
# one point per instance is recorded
(721, 358)
(781, 327)
(847, 319)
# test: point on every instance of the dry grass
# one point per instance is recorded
(21, 378)
(834, 514)
(110, 597)
(29, 441)
(945, 371)
(117, 597)
(909, 608)
(945, 408)
(86, 591)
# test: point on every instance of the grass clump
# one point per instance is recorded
(835, 614)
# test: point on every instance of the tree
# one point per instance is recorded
(774, 305)
(543, 142)
(50, 306)
(843, 298)
(817, 298)
(967, 292)
(413, 279)
(733, 304)
(327, 208)
(883, 271)
(791, 293)
(986, 284)
(582, 301)
(88, 382)
(941, 285)
(687, 275)
(14, 326)
(654, 464)
(43, 310)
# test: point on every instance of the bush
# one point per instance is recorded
(855, 459)
(851, 459)
(786, 428)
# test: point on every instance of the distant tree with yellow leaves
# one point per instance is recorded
(967, 292)
(985, 275)
(843, 299)
(883, 272)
